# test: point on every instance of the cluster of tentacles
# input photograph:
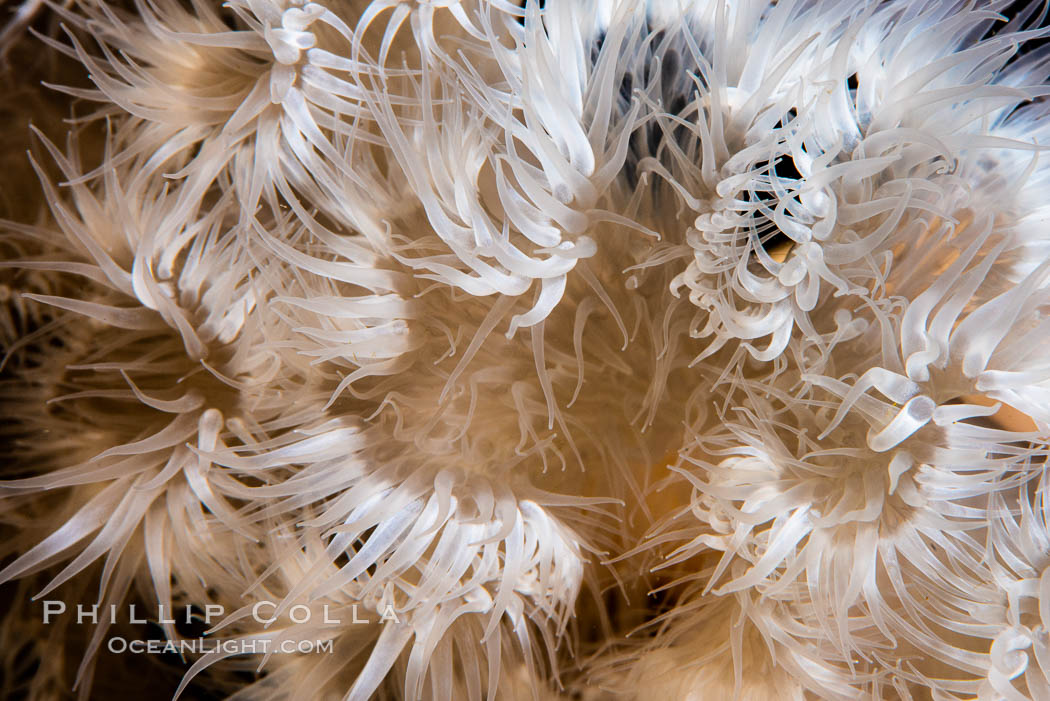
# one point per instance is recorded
(588, 349)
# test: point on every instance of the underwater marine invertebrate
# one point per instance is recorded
(490, 348)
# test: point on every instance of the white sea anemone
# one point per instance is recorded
(593, 348)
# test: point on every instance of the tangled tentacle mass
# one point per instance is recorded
(587, 349)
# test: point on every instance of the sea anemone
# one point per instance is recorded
(583, 349)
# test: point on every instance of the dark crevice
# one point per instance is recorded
(666, 74)
(1025, 15)
(542, 4)
(774, 241)
(596, 49)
